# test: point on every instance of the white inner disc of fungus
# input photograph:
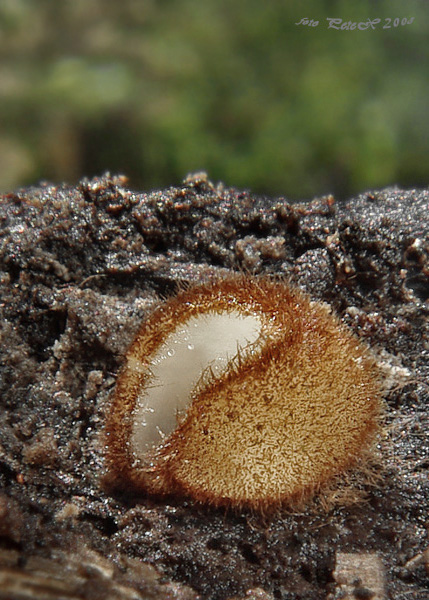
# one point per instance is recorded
(207, 340)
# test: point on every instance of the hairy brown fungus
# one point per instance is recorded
(242, 392)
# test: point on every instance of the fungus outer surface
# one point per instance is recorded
(274, 401)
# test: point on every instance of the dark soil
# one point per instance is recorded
(80, 267)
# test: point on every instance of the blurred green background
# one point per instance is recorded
(159, 88)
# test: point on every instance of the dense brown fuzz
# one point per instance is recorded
(276, 425)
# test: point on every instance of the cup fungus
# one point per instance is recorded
(241, 392)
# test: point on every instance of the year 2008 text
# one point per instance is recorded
(363, 25)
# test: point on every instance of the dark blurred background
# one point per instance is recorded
(155, 89)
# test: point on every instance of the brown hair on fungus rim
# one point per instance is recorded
(291, 412)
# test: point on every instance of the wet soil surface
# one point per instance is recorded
(80, 267)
